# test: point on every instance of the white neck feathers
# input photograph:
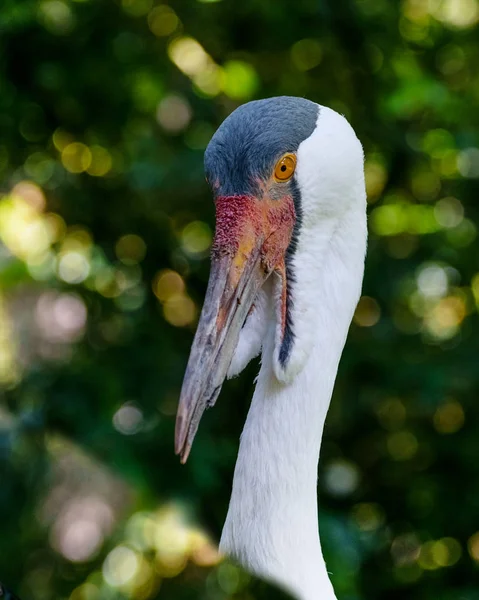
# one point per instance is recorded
(272, 522)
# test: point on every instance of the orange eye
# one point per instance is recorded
(285, 167)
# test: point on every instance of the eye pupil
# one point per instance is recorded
(283, 168)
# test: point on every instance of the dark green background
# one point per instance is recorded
(105, 110)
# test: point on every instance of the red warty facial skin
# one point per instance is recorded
(247, 225)
(243, 221)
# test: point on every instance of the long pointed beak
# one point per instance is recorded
(233, 285)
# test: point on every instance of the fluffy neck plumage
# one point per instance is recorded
(272, 522)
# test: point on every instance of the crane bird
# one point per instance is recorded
(287, 265)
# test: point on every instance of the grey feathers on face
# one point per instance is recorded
(248, 143)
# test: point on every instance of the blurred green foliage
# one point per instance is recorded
(106, 107)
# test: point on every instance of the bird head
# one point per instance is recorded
(283, 172)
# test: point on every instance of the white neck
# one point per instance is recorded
(272, 523)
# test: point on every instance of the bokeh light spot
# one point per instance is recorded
(432, 281)
(402, 445)
(376, 177)
(460, 14)
(162, 20)
(239, 80)
(76, 157)
(188, 55)
(136, 8)
(120, 566)
(86, 591)
(391, 413)
(168, 283)
(468, 163)
(368, 516)
(367, 312)
(449, 212)
(56, 16)
(73, 267)
(174, 113)
(179, 310)
(440, 553)
(444, 319)
(341, 477)
(101, 161)
(449, 417)
(228, 578)
(405, 549)
(31, 193)
(306, 54)
(130, 249)
(128, 419)
(473, 546)
(196, 238)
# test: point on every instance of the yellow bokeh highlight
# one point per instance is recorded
(236, 78)
(196, 238)
(137, 8)
(440, 553)
(239, 80)
(475, 288)
(101, 161)
(368, 516)
(449, 212)
(8, 365)
(30, 193)
(368, 312)
(425, 185)
(73, 267)
(168, 283)
(391, 413)
(188, 55)
(179, 310)
(394, 219)
(76, 157)
(444, 319)
(376, 177)
(130, 249)
(438, 142)
(86, 591)
(473, 546)
(61, 139)
(171, 541)
(156, 545)
(456, 14)
(203, 552)
(22, 228)
(162, 20)
(120, 566)
(77, 238)
(402, 445)
(306, 54)
(229, 578)
(449, 417)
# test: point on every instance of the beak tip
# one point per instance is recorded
(182, 444)
(184, 454)
(179, 433)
